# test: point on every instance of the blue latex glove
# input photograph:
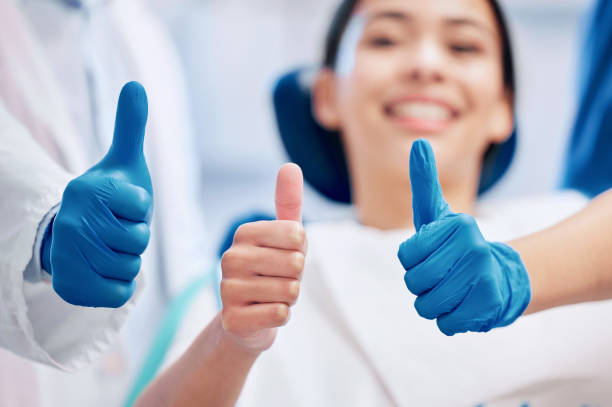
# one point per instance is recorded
(460, 279)
(93, 247)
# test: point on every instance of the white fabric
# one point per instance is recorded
(354, 338)
(34, 271)
(31, 315)
(61, 70)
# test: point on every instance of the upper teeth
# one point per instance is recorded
(422, 110)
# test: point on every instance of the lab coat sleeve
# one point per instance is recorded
(34, 271)
(35, 322)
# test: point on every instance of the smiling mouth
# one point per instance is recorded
(420, 116)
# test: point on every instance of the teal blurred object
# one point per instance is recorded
(166, 333)
(179, 307)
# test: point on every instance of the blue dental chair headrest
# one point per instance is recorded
(320, 153)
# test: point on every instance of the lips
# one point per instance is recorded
(421, 115)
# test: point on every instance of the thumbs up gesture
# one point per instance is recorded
(92, 250)
(460, 279)
(263, 267)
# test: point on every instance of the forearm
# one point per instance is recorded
(572, 261)
(211, 372)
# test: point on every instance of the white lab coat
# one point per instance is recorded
(61, 70)
(354, 338)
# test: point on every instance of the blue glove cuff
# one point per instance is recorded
(45, 248)
(517, 283)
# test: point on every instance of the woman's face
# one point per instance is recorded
(417, 68)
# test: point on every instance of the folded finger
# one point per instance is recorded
(259, 290)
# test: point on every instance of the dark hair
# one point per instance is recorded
(343, 16)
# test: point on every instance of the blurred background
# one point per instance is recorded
(234, 50)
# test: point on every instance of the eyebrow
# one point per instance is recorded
(394, 15)
(460, 22)
(453, 22)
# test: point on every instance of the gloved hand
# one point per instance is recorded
(92, 249)
(463, 281)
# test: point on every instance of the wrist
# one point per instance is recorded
(228, 342)
(517, 284)
(45, 248)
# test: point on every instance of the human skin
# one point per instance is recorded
(570, 262)
(412, 54)
(445, 57)
(261, 281)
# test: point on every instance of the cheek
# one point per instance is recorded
(362, 89)
(360, 108)
(482, 85)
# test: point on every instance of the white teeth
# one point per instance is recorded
(422, 111)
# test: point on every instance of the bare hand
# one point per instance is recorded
(263, 268)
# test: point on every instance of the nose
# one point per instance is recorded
(425, 62)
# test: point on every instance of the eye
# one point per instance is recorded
(381, 42)
(464, 49)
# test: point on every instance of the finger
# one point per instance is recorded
(93, 290)
(444, 297)
(427, 241)
(130, 122)
(108, 263)
(262, 261)
(428, 203)
(259, 290)
(277, 234)
(131, 202)
(121, 266)
(123, 236)
(289, 190)
(252, 318)
(478, 312)
(111, 293)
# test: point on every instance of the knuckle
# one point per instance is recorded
(76, 187)
(144, 234)
(447, 327)
(119, 267)
(465, 221)
(423, 310)
(481, 248)
(409, 280)
(226, 260)
(242, 232)
(488, 280)
(295, 234)
(281, 314)
(225, 288)
(145, 200)
(230, 261)
(134, 267)
(122, 298)
(298, 235)
(297, 263)
(293, 291)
